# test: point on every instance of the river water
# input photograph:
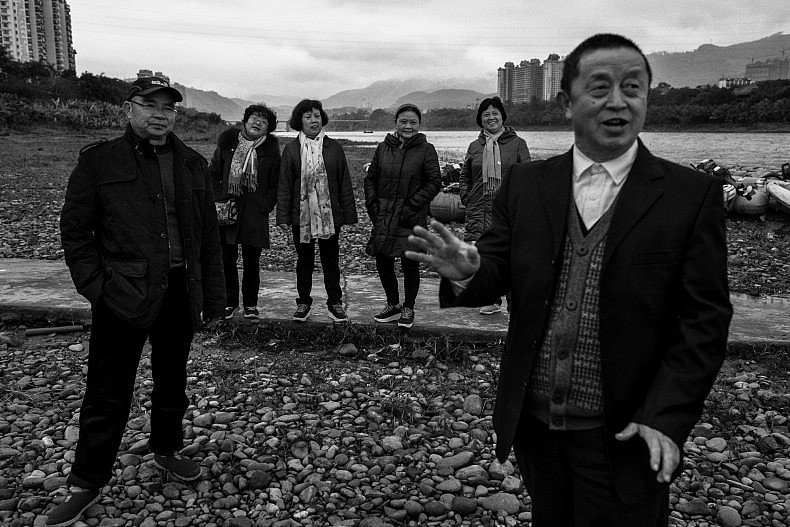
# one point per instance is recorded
(763, 150)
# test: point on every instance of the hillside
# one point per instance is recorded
(386, 93)
(210, 101)
(708, 63)
(447, 98)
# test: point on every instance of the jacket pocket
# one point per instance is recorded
(126, 288)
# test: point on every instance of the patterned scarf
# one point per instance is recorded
(315, 206)
(492, 161)
(244, 166)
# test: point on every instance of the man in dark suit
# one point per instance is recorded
(617, 264)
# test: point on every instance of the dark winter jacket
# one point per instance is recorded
(512, 150)
(254, 207)
(399, 186)
(341, 191)
(114, 229)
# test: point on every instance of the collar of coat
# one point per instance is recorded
(508, 135)
(229, 139)
(645, 184)
(392, 141)
(144, 147)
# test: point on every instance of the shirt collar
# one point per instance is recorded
(618, 168)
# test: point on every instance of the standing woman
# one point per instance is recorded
(487, 158)
(401, 181)
(315, 198)
(245, 168)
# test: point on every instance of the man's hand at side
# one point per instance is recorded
(444, 252)
(664, 453)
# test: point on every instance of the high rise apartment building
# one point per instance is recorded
(530, 80)
(552, 76)
(38, 30)
(769, 70)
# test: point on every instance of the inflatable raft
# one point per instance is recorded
(780, 193)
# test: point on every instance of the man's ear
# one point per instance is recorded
(564, 101)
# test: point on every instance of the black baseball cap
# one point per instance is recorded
(148, 85)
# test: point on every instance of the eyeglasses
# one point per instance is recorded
(169, 111)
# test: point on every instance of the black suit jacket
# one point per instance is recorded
(664, 300)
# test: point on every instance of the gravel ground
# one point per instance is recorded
(362, 431)
(365, 429)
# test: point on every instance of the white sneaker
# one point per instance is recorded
(490, 310)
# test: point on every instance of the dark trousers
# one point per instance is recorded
(329, 250)
(385, 265)
(113, 357)
(569, 480)
(251, 274)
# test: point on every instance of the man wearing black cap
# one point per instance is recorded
(139, 233)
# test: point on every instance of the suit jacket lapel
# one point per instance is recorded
(554, 187)
(645, 184)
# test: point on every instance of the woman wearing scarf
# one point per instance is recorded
(487, 159)
(315, 197)
(245, 168)
(401, 181)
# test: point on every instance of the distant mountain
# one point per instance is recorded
(447, 98)
(708, 63)
(386, 93)
(211, 101)
(276, 100)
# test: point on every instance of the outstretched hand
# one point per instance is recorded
(444, 252)
(664, 453)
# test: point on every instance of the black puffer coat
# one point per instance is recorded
(512, 150)
(399, 186)
(254, 207)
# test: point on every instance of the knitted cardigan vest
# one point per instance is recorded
(565, 386)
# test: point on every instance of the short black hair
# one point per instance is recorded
(496, 102)
(408, 107)
(304, 106)
(264, 111)
(570, 68)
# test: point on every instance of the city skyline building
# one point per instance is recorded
(38, 30)
(530, 80)
(769, 70)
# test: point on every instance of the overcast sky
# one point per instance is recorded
(243, 48)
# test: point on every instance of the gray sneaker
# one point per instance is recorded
(178, 466)
(301, 313)
(388, 314)
(406, 319)
(71, 510)
(337, 313)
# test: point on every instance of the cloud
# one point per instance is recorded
(321, 47)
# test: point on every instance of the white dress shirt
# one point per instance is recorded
(596, 185)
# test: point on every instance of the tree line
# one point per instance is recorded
(33, 92)
(36, 93)
(709, 106)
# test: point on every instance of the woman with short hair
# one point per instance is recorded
(315, 198)
(402, 179)
(245, 169)
(488, 157)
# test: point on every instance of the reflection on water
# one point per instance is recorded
(767, 150)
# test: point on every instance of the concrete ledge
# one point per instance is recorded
(40, 292)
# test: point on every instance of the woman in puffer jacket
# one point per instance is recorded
(402, 180)
(487, 159)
